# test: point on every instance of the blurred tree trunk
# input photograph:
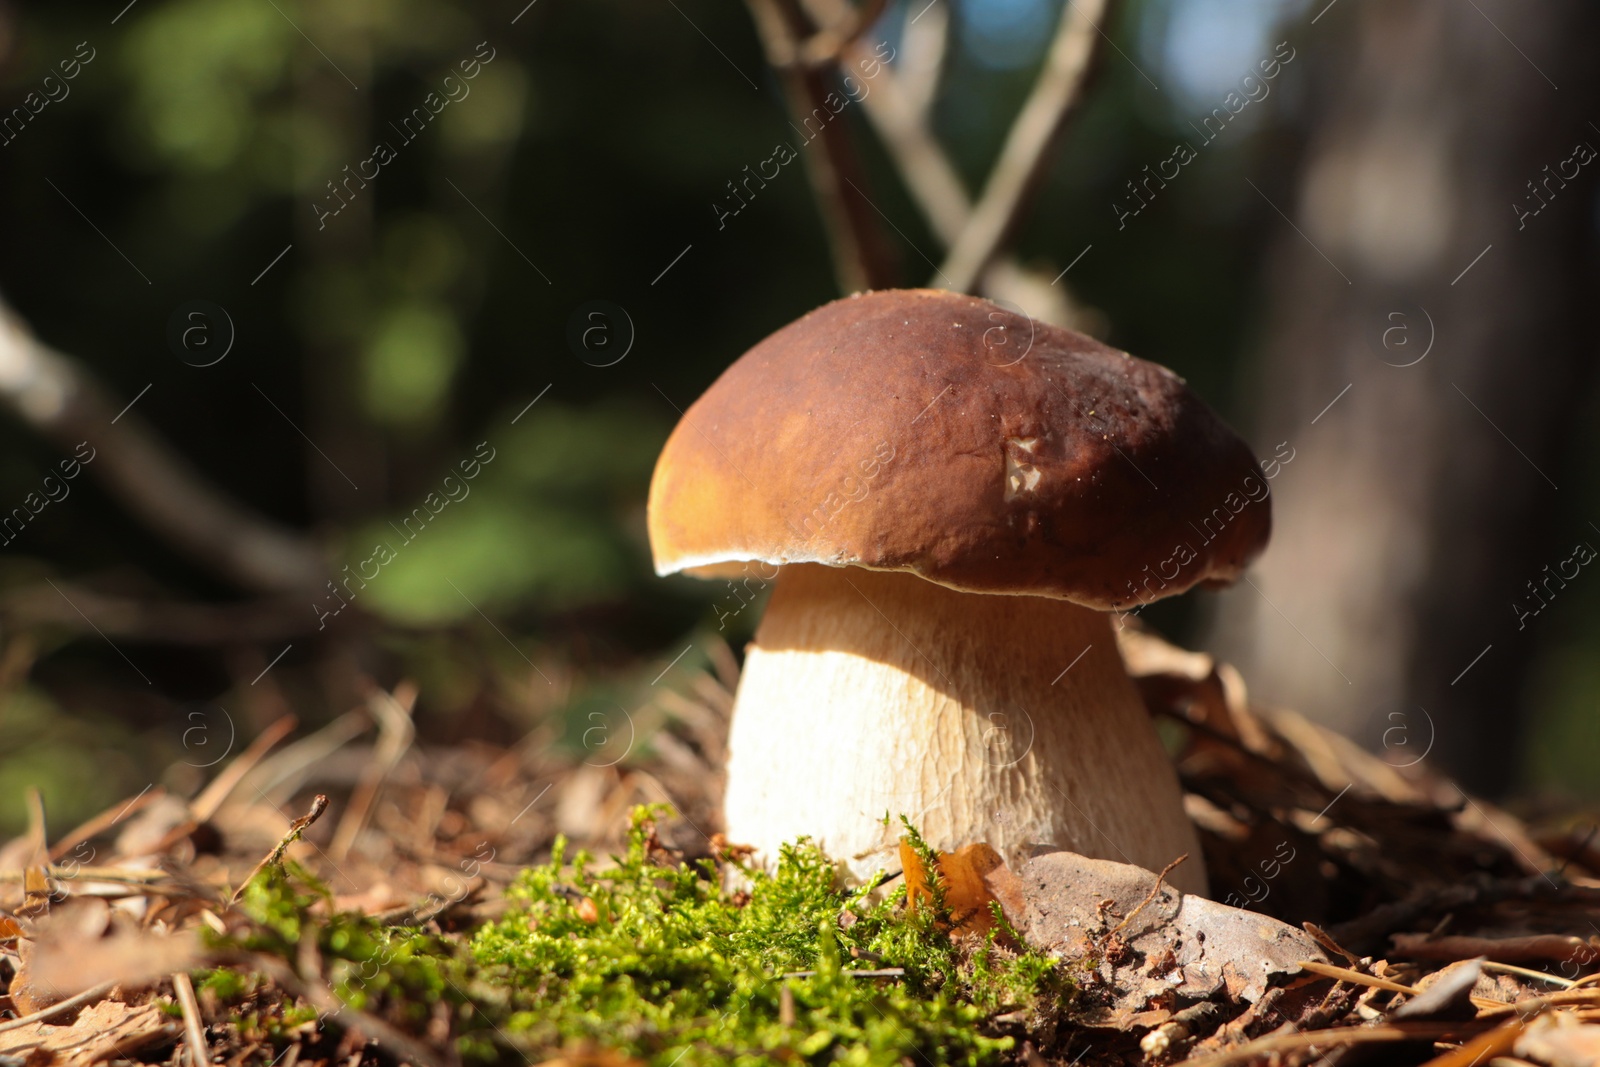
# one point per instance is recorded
(1408, 523)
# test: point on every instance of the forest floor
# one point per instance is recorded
(348, 897)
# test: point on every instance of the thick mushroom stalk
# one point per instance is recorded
(1006, 719)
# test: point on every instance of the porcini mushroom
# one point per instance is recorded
(956, 496)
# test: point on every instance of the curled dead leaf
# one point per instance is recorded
(973, 877)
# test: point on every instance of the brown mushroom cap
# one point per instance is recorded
(941, 434)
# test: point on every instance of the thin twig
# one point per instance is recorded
(69, 872)
(1532, 1005)
(319, 804)
(104, 821)
(896, 100)
(897, 105)
(1261, 1049)
(213, 796)
(1154, 890)
(1527, 972)
(841, 24)
(1345, 974)
(258, 621)
(194, 1029)
(883, 972)
(1482, 1049)
(930, 177)
(862, 256)
(38, 840)
(1368, 931)
(282, 773)
(1022, 160)
(395, 733)
(924, 42)
(1329, 945)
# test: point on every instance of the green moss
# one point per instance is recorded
(227, 986)
(658, 961)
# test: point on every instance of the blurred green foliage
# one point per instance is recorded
(557, 521)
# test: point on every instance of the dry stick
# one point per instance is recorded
(1369, 930)
(1259, 1049)
(1552, 948)
(60, 1008)
(319, 804)
(897, 106)
(39, 846)
(259, 621)
(35, 884)
(289, 767)
(861, 253)
(395, 733)
(1329, 945)
(930, 177)
(1527, 972)
(1154, 890)
(194, 1030)
(203, 807)
(841, 24)
(104, 821)
(901, 120)
(136, 890)
(1533, 1005)
(127, 875)
(920, 64)
(1345, 974)
(213, 796)
(1026, 150)
(1481, 1049)
(62, 402)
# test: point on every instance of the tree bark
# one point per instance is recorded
(1425, 498)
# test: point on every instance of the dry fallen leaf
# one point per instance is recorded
(107, 1030)
(916, 876)
(974, 877)
(1167, 942)
(1560, 1041)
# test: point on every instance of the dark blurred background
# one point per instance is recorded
(1379, 261)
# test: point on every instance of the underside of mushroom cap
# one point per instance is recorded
(941, 434)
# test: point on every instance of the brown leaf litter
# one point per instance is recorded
(1366, 911)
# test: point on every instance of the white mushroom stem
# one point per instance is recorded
(868, 695)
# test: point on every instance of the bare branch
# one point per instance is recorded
(64, 404)
(937, 188)
(928, 173)
(841, 24)
(156, 621)
(862, 256)
(1026, 151)
(923, 44)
